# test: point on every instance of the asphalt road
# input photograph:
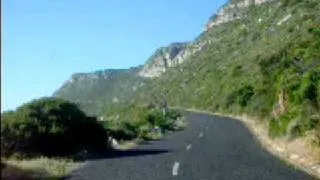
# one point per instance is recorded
(210, 148)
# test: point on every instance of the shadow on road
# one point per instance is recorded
(135, 152)
(123, 153)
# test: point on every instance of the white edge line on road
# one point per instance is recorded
(201, 135)
(175, 168)
(188, 147)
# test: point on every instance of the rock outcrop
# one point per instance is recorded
(232, 11)
(168, 57)
(164, 58)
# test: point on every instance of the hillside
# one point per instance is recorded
(101, 91)
(265, 64)
(97, 90)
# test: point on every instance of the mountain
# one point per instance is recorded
(255, 57)
(97, 90)
(265, 63)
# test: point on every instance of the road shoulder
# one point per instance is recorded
(306, 158)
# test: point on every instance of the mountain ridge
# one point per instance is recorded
(161, 61)
(94, 90)
(247, 65)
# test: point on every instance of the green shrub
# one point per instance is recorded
(273, 128)
(244, 95)
(241, 96)
(123, 134)
(173, 114)
(124, 130)
(280, 126)
(144, 132)
(156, 118)
(140, 122)
(317, 134)
(50, 126)
(308, 88)
(236, 71)
(308, 119)
(290, 2)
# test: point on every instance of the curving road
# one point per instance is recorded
(210, 148)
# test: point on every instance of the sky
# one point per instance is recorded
(45, 41)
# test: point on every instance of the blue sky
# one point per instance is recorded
(45, 41)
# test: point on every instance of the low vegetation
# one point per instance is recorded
(50, 127)
(38, 168)
(143, 122)
(45, 137)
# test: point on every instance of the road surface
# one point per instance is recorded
(210, 148)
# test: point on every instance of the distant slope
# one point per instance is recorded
(266, 63)
(97, 90)
(100, 91)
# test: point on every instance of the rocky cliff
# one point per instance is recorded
(163, 58)
(232, 11)
(169, 57)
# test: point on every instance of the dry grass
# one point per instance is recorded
(181, 123)
(125, 145)
(41, 167)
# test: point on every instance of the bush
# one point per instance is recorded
(305, 126)
(308, 88)
(145, 122)
(280, 127)
(51, 127)
(124, 131)
(144, 132)
(157, 118)
(241, 96)
(317, 134)
(173, 114)
(290, 2)
(244, 95)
